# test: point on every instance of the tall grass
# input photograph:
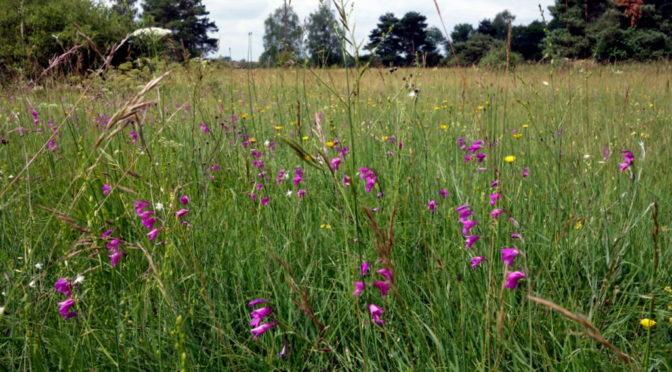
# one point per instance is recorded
(590, 244)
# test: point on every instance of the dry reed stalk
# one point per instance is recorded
(56, 61)
(129, 110)
(590, 329)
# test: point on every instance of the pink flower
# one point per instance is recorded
(376, 312)
(301, 193)
(443, 193)
(297, 180)
(106, 234)
(181, 213)
(475, 146)
(257, 302)
(494, 197)
(53, 146)
(140, 205)
(114, 245)
(470, 240)
(184, 200)
(496, 212)
(515, 236)
(480, 157)
(204, 127)
(467, 225)
(359, 287)
(526, 172)
(431, 205)
(154, 233)
(64, 308)
(509, 255)
(258, 315)
(114, 258)
(260, 330)
(148, 222)
(64, 286)
(346, 181)
(494, 183)
(512, 279)
(265, 200)
(476, 261)
(106, 189)
(335, 163)
(628, 160)
(385, 273)
(134, 136)
(382, 286)
(364, 269)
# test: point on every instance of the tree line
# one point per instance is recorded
(34, 32)
(606, 30)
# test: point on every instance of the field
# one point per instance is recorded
(138, 219)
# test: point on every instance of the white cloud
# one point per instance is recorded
(236, 19)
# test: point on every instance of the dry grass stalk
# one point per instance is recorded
(56, 61)
(129, 110)
(590, 329)
(63, 217)
(303, 301)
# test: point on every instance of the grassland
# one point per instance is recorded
(592, 240)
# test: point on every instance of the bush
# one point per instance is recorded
(496, 58)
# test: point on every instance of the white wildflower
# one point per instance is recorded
(32, 284)
(158, 206)
(151, 32)
(38, 266)
(79, 279)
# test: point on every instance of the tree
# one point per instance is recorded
(461, 32)
(412, 32)
(610, 30)
(402, 41)
(384, 40)
(528, 40)
(125, 8)
(35, 31)
(282, 37)
(187, 19)
(324, 37)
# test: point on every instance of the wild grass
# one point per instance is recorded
(590, 243)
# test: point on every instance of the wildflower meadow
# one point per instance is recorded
(206, 217)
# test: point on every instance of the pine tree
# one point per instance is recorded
(324, 37)
(187, 19)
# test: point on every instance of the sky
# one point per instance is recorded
(236, 19)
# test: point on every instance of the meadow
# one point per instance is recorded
(508, 221)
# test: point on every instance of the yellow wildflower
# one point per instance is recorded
(243, 116)
(651, 105)
(480, 108)
(277, 127)
(517, 135)
(509, 159)
(525, 126)
(305, 138)
(252, 139)
(579, 225)
(325, 226)
(668, 289)
(443, 126)
(647, 323)
(329, 144)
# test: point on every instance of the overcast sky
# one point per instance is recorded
(237, 18)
